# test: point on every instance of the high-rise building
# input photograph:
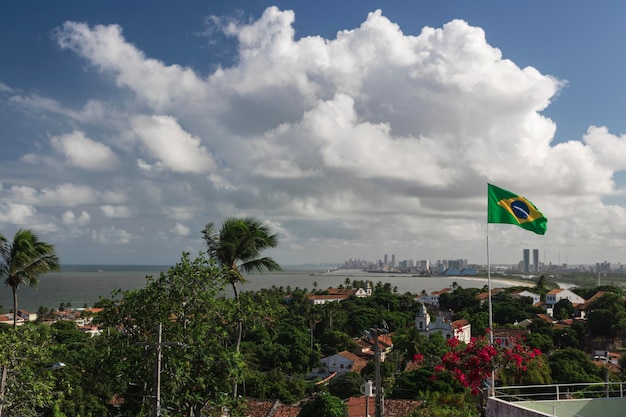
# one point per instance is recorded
(526, 254)
(423, 265)
(393, 260)
(386, 259)
(535, 260)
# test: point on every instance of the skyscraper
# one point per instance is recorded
(535, 260)
(526, 253)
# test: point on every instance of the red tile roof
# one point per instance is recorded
(396, 408)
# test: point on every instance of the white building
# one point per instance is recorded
(559, 294)
(459, 329)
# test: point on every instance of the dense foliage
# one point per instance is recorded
(283, 339)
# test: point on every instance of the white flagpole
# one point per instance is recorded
(492, 387)
(489, 289)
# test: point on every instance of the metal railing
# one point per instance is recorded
(560, 392)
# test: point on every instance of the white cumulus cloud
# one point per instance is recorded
(369, 136)
(180, 229)
(111, 235)
(172, 147)
(116, 211)
(71, 219)
(82, 152)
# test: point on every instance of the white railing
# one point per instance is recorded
(560, 391)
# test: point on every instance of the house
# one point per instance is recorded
(365, 346)
(269, 408)
(364, 406)
(8, 319)
(26, 315)
(90, 330)
(342, 363)
(524, 323)
(545, 317)
(432, 298)
(559, 294)
(506, 337)
(581, 309)
(484, 296)
(535, 297)
(326, 298)
(459, 329)
(339, 294)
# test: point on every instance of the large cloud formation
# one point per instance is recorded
(372, 142)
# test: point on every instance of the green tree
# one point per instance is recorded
(346, 385)
(410, 385)
(438, 404)
(23, 260)
(606, 315)
(28, 384)
(199, 369)
(563, 309)
(323, 405)
(276, 385)
(237, 247)
(461, 299)
(573, 365)
(333, 341)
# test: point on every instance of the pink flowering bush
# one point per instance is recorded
(473, 363)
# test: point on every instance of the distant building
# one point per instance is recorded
(343, 362)
(526, 254)
(26, 315)
(432, 298)
(340, 294)
(559, 294)
(535, 297)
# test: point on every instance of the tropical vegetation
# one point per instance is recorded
(187, 327)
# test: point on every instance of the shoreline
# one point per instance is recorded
(350, 273)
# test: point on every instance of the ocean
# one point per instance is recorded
(84, 285)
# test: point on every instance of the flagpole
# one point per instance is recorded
(492, 387)
(489, 290)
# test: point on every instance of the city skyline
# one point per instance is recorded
(346, 127)
(525, 264)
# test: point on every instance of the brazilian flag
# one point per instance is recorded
(506, 207)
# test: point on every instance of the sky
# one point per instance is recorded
(352, 128)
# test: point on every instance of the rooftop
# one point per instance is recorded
(562, 400)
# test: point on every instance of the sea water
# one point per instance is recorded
(84, 285)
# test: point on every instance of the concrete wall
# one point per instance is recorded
(499, 408)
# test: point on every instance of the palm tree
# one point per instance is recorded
(237, 247)
(23, 260)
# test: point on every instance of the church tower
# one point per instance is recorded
(422, 319)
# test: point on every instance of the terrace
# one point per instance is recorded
(559, 400)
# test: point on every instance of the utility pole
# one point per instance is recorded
(156, 405)
(379, 402)
(157, 373)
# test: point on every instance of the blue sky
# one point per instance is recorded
(350, 129)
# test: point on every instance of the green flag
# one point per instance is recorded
(506, 207)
